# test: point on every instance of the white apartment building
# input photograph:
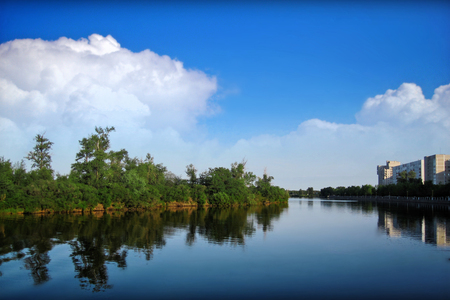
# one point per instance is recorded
(435, 168)
(385, 172)
(416, 166)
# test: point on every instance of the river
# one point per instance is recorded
(308, 249)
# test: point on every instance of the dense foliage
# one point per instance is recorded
(103, 178)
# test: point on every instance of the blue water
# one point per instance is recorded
(309, 250)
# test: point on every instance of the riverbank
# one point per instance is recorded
(100, 208)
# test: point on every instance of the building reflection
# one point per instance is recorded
(429, 227)
(425, 222)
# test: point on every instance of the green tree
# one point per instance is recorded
(264, 186)
(20, 173)
(191, 172)
(91, 161)
(238, 169)
(249, 178)
(154, 174)
(40, 156)
(367, 189)
(325, 192)
(6, 180)
(264, 181)
(353, 190)
(117, 163)
(411, 174)
(402, 177)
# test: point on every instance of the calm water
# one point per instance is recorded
(309, 249)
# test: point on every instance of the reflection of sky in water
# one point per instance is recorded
(312, 249)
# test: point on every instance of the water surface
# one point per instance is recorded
(311, 249)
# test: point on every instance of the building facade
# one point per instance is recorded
(437, 168)
(416, 166)
(385, 172)
(434, 168)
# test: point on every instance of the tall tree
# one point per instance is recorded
(117, 163)
(6, 178)
(40, 156)
(238, 169)
(91, 163)
(191, 172)
(265, 181)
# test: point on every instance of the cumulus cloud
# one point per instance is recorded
(88, 82)
(407, 105)
(67, 87)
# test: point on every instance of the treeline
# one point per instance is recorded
(101, 178)
(308, 193)
(404, 188)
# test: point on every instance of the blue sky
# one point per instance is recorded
(275, 66)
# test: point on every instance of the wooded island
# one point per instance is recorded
(104, 179)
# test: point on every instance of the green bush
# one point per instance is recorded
(220, 198)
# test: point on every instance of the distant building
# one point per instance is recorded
(435, 168)
(416, 166)
(385, 172)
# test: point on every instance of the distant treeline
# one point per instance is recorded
(102, 178)
(405, 188)
(308, 193)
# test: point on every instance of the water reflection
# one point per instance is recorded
(432, 227)
(99, 239)
(37, 263)
(425, 222)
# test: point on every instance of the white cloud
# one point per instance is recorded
(69, 87)
(87, 82)
(406, 105)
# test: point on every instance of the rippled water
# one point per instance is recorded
(309, 249)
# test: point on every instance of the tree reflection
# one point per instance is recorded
(37, 263)
(98, 241)
(227, 225)
(89, 260)
(265, 215)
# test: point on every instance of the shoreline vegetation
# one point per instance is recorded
(407, 187)
(404, 188)
(394, 199)
(101, 179)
